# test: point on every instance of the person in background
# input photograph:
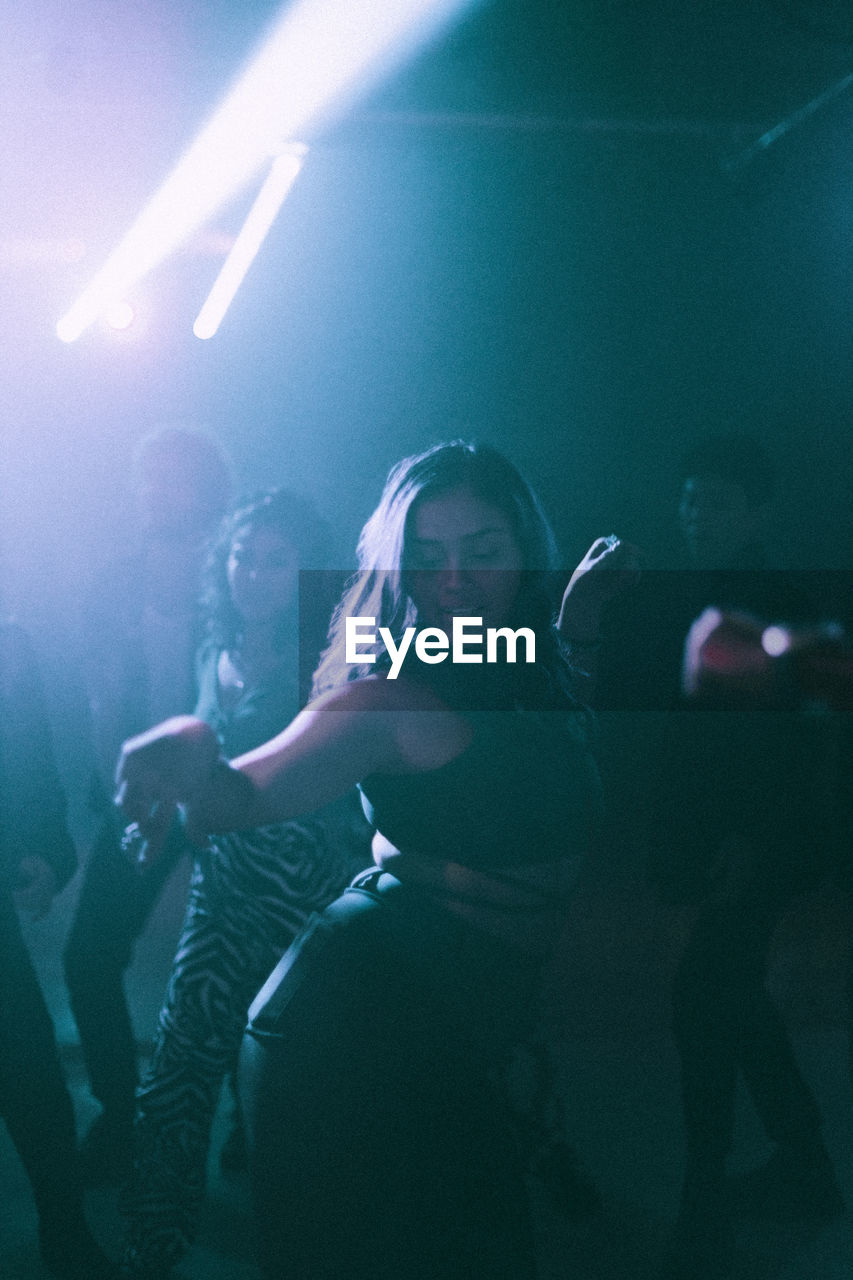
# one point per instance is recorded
(734, 830)
(738, 659)
(750, 792)
(251, 892)
(37, 859)
(378, 1148)
(141, 623)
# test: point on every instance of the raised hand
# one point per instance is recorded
(608, 568)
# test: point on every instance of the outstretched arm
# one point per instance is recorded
(365, 727)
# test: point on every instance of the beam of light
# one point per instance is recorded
(793, 121)
(319, 55)
(261, 216)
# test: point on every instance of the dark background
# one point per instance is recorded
(538, 233)
(531, 234)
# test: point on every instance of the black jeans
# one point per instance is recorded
(114, 905)
(378, 1150)
(34, 1099)
(725, 1022)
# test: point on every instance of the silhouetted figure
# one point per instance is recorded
(37, 859)
(736, 659)
(732, 828)
(751, 786)
(142, 633)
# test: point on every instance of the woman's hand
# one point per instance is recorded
(171, 764)
(608, 568)
(733, 658)
(724, 658)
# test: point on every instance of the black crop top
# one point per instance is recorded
(525, 790)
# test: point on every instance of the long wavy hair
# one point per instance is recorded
(378, 588)
(296, 520)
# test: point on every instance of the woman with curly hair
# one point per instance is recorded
(252, 891)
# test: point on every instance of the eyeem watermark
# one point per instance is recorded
(433, 645)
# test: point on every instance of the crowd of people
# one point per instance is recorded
(383, 861)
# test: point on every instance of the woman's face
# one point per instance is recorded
(263, 573)
(462, 558)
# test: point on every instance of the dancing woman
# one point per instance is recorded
(377, 1147)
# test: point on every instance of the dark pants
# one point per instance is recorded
(34, 1099)
(114, 905)
(725, 1022)
(378, 1150)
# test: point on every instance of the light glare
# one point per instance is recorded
(261, 217)
(775, 641)
(120, 316)
(320, 54)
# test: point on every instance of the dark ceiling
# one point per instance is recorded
(146, 77)
(726, 66)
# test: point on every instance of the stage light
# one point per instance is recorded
(775, 641)
(261, 217)
(319, 56)
(120, 315)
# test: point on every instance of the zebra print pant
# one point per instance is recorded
(251, 892)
